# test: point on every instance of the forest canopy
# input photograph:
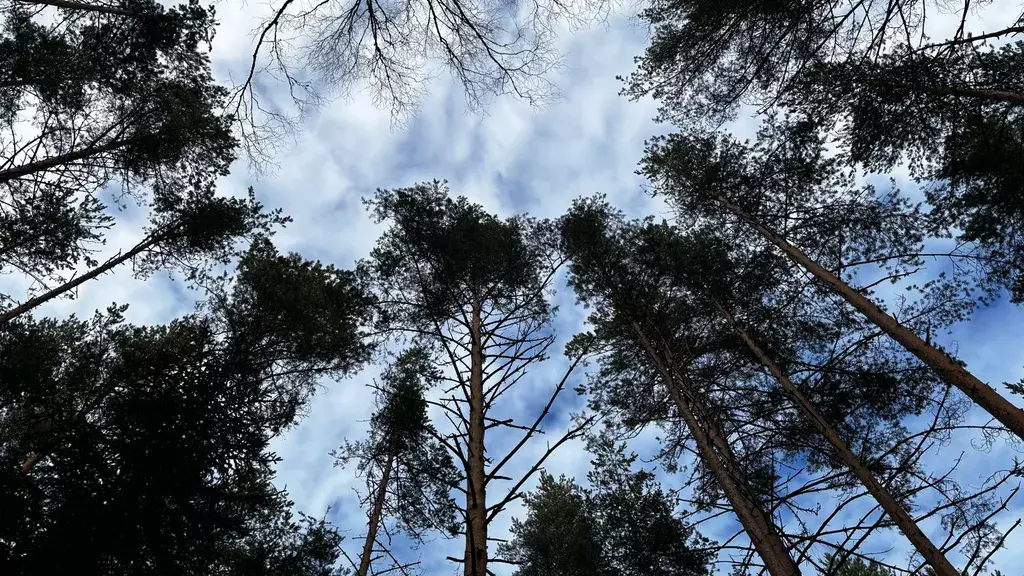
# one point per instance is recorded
(248, 328)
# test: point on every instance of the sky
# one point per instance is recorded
(511, 158)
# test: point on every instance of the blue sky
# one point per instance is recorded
(511, 159)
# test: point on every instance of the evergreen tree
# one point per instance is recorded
(649, 367)
(409, 475)
(192, 235)
(143, 450)
(96, 97)
(690, 288)
(786, 193)
(623, 524)
(473, 288)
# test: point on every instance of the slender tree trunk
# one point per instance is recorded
(81, 153)
(979, 93)
(476, 497)
(949, 370)
(718, 455)
(69, 5)
(375, 513)
(935, 558)
(95, 272)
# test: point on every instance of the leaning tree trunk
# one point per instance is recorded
(949, 370)
(375, 514)
(54, 161)
(476, 497)
(718, 455)
(932, 555)
(69, 5)
(70, 285)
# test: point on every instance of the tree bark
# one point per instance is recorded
(375, 513)
(41, 165)
(935, 558)
(718, 455)
(952, 373)
(476, 497)
(95, 272)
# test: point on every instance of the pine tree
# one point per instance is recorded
(784, 192)
(98, 98)
(143, 450)
(726, 313)
(623, 524)
(409, 475)
(648, 367)
(474, 289)
(191, 235)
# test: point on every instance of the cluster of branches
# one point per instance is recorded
(103, 103)
(320, 49)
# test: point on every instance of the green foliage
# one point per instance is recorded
(144, 450)
(624, 524)
(107, 96)
(854, 567)
(450, 252)
(672, 284)
(422, 472)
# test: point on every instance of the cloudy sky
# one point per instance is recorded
(511, 159)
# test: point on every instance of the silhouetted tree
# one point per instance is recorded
(786, 193)
(144, 450)
(409, 474)
(474, 289)
(623, 524)
(96, 97)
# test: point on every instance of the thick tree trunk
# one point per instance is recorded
(80, 154)
(375, 513)
(949, 370)
(717, 454)
(63, 288)
(476, 497)
(935, 558)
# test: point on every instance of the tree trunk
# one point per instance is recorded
(66, 4)
(105, 267)
(41, 165)
(935, 558)
(949, 370)
(718, 455)
(979, 93)
(476, 500)
(30, 462)
(371, 529)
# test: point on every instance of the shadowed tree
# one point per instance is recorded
(955, 119)
(409, 474)
(474, 289)
(784, 192)
(100, 99)
(144, 450)
(647, 371)
(690, 288)
(623, 524)
(706, 58)
(191, 235)
(706, 270)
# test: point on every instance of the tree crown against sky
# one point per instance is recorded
(972, 93)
